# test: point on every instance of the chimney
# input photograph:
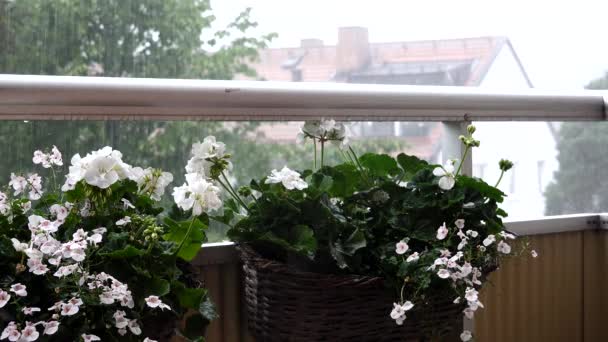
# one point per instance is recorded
(311, 43)
(352, 50)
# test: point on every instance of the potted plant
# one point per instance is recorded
(377, 248)
(92, 261)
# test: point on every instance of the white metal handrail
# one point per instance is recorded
(97, 98)
(224, 252)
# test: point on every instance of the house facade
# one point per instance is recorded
(486, 62)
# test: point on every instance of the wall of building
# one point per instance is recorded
(530, 145)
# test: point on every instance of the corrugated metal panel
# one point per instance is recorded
(536, 299)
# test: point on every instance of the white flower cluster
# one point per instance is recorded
(32, 185)
(29, 332)
(203, 154)
(199, 193)
(151, 181)
(100, 168)
(455, 267)
(289, 178)
(155, 302)
(324, 130)
(112, 290)
(47, 160)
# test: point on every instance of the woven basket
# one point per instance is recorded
(284, 304)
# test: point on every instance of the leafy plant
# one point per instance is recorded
(94, 261)
(428, 230)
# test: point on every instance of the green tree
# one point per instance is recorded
(580, 182)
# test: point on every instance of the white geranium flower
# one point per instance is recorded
(197, 194)
(443, 273)
(289, 178)
(401, 247)
(534, 253)
(442, 232)
(4, 298)
(489, 240)
(413, 257)
(407, 306)
(457, 300)
(202, 152)
(506, 235)
(466, 336)
(19, 289)
(447, 180)
(100, 168)
(19, 184)
(503, 247)
(149, 340)
(55, 156)
(151, 181)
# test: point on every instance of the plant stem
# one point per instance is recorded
(322, 151)
(233, 192)
(502, 173)
(314, 167)
(464, 156)
(185, 236)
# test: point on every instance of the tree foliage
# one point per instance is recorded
(579, 184)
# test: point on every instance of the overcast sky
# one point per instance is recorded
(562, 44)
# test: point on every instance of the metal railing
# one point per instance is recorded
(62, 98)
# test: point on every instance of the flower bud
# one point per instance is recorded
(505, 164)
(245, 191)
(471, 129)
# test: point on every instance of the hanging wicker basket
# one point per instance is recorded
(284, 304)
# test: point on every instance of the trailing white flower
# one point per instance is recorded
(401, 247)
(442, 232)
(466, 336)
(503, 247)
(289, 178)
(155, 302)
(413, 257)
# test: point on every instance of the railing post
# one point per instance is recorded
(452, 147)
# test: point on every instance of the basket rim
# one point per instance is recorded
(249, 255)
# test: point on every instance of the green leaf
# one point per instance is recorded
(158, 287)
(340, 250)
(345, 177)
(411, 165)
(299, 239)
(187, 235)
(190, 298)
(482, 187)
(6, 247)
(127, 252)
(380, 165)
(322, 182)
